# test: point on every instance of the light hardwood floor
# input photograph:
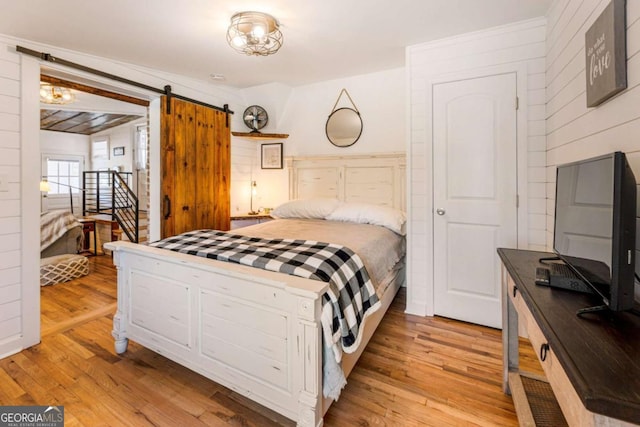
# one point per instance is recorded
(415, 372)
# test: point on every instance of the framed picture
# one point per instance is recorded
(118, 151)
(272, 156)
(606, 54)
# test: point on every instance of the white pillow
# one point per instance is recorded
(364, 213)
(306, 208)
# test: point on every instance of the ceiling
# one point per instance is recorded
(82, 122)
(323, 40)
(89, 113)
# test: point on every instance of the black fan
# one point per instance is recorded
(255, 117)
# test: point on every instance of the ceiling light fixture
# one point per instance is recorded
(254, 33)
(50, 94)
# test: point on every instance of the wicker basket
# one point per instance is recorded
(62, 268)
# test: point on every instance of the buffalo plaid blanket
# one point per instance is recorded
(350, 297)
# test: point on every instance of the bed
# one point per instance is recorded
(256, 331)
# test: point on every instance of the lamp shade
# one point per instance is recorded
(50, 94)
(254, 33)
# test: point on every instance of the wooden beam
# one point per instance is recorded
(260, 135)
(92, 90)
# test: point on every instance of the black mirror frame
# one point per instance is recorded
(327, 125)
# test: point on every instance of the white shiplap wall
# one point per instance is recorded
(10, 221)
(519, 48)
(575, 132)
(244, 163)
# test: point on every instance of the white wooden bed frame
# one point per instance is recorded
(254, 331)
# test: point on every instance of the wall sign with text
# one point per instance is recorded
(606, 54)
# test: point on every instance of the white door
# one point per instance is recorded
(475, 212)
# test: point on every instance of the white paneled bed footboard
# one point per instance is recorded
(254, 331)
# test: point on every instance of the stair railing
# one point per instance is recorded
(126, 209)
(109, 192)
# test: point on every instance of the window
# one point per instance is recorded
(100, 149)
(62, 174)
(141, 147)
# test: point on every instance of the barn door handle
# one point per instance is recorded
(544, 349)
(166, 207)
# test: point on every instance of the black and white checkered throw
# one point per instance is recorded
(351, 295)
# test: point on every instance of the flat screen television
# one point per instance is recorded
(595, 226)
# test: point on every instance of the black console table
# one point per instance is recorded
(592, 363)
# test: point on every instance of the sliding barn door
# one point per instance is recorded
(196, 168)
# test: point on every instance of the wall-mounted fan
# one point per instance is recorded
(255, 117)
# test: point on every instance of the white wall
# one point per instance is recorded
(65, 143)
(380, 98)
(10, 202)
(302, 113)
(245, 154)
(518, 48)
(573, 131)
(243, 166)
(119, 136)
(273, 97)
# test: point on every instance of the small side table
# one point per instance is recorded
(89, 226)
(238, 221)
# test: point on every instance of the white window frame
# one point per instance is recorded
(141, 143)
(60, 199)
(100, 148)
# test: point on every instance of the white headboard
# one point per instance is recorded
(375, 178)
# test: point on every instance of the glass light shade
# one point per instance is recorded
(258, 31)
(254, 33)
(50, 94)
(239, 41)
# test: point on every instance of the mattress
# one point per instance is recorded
(379, 248)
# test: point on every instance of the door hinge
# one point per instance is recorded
(517, 103)
(517, 201)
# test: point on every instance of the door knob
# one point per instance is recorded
(440, 211)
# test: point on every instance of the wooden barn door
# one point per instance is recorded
(196, 168)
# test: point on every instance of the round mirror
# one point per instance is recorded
(344, 127)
